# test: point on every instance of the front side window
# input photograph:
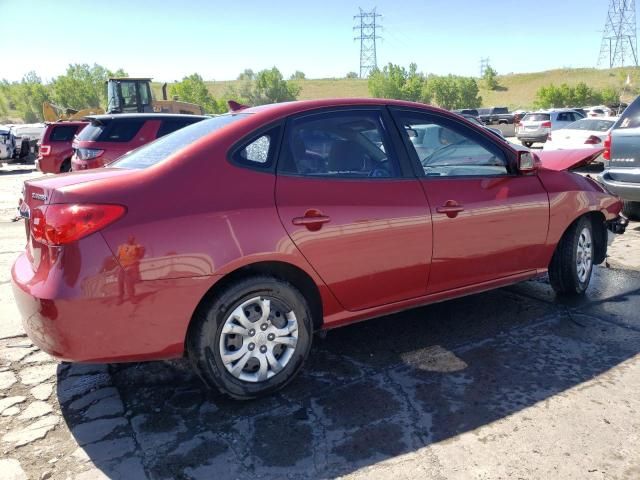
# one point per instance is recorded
(344, 144)
(448, 150)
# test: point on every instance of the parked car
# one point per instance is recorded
(7, 144)
(496, 116)
(467, 112)
(589, 133)
(232, 240)
(56, 146)
(597, 112)
(477, 121)
(26, 137)
(108, 137)
(622, 160)
(536, 126)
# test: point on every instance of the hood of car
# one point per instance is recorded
(567, 159)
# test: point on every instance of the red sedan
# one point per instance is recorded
(235, 238)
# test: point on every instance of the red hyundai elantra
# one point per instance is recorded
(235, 238)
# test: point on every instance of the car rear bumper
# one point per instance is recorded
(629, 191)
(91, 313)
(526, 137)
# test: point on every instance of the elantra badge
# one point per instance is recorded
(39, 196)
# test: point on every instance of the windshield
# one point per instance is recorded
(591, 125)
(166, 146)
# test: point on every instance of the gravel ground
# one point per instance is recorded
(513, 383)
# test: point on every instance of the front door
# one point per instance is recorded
(488, 221)
(359, 217)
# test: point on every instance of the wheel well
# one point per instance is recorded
(280, 270)
(66, 161)
(599, 228)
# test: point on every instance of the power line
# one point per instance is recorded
(484, 63)
(368, 28)
(619, 40)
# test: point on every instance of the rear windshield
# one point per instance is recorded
(156, 151)
(631, 116)
(596, 125)
(63, 133)
(111, 130)
(536, 117)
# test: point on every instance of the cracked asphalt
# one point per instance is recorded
(513, 383)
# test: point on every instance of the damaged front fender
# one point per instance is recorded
(559, 160)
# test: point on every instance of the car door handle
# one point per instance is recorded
(451, 208)
(313, 219)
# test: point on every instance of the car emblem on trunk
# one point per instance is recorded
(39, 196)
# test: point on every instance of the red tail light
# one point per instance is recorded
(45, 150)
(59, 224)
(593, 140)
(607, 148)
(545, 125)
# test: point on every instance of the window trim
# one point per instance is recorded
(388, 131)
(470, 130)
(274, 148)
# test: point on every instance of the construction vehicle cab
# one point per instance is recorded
(129, 95)
(133, 95)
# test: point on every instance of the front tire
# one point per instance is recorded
(527, 144)
(572, 263)
(252, 338)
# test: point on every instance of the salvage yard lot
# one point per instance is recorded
(513, 383)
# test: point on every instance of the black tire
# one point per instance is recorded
(631, 210)
(527, 144)
(204, 337)
(66, 166)
(563, 269)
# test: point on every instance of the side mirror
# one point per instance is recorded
(526, 162)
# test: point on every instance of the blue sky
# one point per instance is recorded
(218, 39)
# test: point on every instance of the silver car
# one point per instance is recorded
(536, 126)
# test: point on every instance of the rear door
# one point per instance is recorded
(488, 221)
(353, 207)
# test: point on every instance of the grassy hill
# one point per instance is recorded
(517, 90)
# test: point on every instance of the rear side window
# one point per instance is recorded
(173, 124)
(63, 133)
(158, 150)
(536, 117)
(259, 151)
(500, 110)
(120, 130)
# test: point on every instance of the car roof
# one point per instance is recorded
(277, 110)
(142, 116)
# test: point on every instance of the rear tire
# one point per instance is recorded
(631, 210)
(66, 166)
(572, 262)
(251, 339)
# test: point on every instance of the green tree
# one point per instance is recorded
(490, 79)
(28, 96)
(298, 75)
(193, 89)
(247, 74)
(270, 87)
(394, 81)
(452, 92)
(352, 75)
(83, 86)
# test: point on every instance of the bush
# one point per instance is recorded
(193, 89)
(394, 81)
(551, 96)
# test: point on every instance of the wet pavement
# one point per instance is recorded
(513, 383)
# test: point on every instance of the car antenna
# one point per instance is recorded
(235, 106)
